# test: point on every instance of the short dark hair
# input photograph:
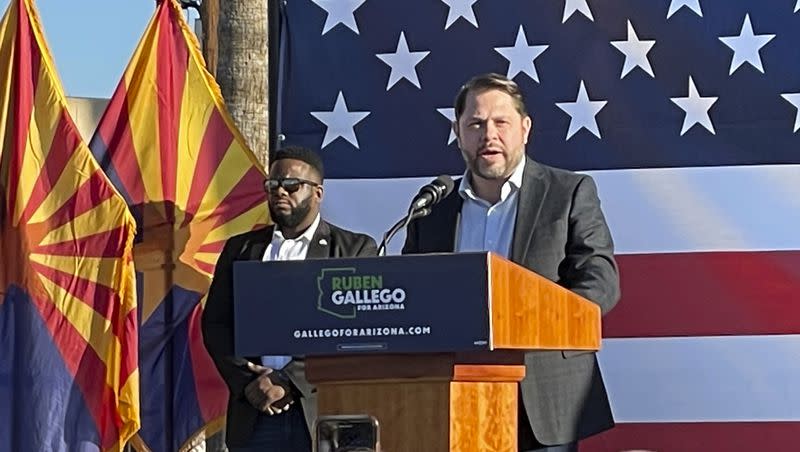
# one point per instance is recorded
(304, 155)
(486, 82)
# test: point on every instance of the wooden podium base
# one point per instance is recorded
(469, 408)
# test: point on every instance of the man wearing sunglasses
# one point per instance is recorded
(262, 413)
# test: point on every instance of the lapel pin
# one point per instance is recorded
(323, 242)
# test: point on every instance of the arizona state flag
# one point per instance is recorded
(68, 357)
(169, 146)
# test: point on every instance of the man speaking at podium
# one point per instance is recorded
(545, 219)
(262, 415)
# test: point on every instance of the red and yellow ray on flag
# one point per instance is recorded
(66, 240)
(171, 148)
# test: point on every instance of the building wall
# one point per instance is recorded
(86, 113)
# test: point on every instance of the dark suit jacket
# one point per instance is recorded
(560, 233)
(217, 321)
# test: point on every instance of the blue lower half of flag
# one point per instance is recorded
(42, 407)
(171, 411)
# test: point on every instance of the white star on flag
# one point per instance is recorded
(635, 52)
(403, 63)
(797, 6)
(340, 122)
(675, 5)
(450, 114)
(696, 109)
(746, 46)
(521, 57)
(458, 9)
(794, 99)
(340, 12)
(582, 112)
(571, 6)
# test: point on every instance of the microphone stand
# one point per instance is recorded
(402, 223)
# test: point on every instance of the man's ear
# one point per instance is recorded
(320, 191)
(527, 126)
(454, 125)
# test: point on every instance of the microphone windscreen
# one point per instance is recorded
(446, 182)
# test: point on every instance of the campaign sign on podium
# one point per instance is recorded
(394, 304)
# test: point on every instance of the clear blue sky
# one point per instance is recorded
(93, 40)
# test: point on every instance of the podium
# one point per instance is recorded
(431, 345)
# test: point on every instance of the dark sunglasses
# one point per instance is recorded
(290, 184)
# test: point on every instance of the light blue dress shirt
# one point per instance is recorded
(485, 226)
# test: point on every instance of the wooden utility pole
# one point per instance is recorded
(242, 69)
(209, 17)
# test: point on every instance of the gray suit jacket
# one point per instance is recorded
(217, 321)
(560, 233)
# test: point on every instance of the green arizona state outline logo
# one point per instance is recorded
(342, 293)
(325, 286)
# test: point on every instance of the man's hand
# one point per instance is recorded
(269, 392)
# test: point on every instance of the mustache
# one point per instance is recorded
(274, 197)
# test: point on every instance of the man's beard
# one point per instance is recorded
(488, 172)
(294, 217)
(491, 172)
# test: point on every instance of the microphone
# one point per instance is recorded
(432, 193)
(403, 222)
(421, 206)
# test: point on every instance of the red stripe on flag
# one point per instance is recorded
(65, 142)
(696, 437)
(128, 328)
(170, 80)
(204, 266)
(102, 299)
(115, 132)
(88, 369)
(104, 244)
(208, 383)
(704, 294)
(217, 138)
(246, 194)
(27, 61)
(214, 247)
(89, 195)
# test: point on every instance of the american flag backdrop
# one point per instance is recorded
(686, 114)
